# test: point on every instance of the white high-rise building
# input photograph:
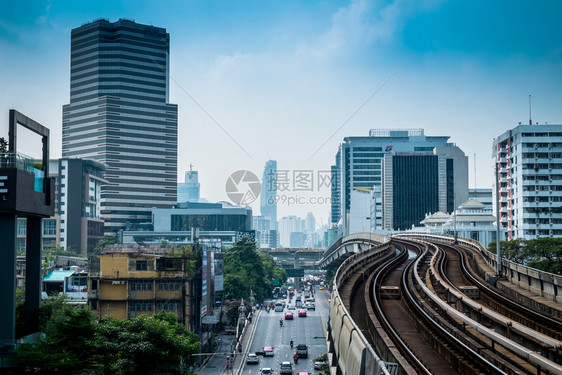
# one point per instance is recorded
(290, 226)
(529, 163)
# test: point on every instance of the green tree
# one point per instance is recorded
(104, 241)
(190, 255)
(244, 271)
(514, 250)
(74, 343)
(3, 144)
(144, 345)
(545, 254)
(64, 348)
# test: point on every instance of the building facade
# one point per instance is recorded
(360, 165)
(119, 115)
(528, 159)
(77, 224)
(193, 221)
(417, 183)
(131, 282)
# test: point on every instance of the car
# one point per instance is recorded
(321, 287)
(288, 315)
(302, 313)
(290, 307)
(252, 359)
(267, 351)
(304, 373)
(266, 371)
(286, 368)
(302, 351)
(310, 306)
(319, 365)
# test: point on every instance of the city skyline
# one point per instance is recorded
(289, 81)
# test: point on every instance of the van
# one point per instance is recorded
(279, 307)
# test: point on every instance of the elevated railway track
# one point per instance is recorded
(423, 309)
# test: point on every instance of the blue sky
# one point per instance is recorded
(282, 77)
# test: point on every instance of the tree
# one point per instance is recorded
(3, 144)
(104, 241)
(543, 253)
(74, 343)
(244, 271)
(144, 345)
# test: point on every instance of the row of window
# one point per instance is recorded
(147, 285)
(148, 306)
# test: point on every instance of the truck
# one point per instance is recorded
(302, 351)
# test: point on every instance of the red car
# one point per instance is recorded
(304, 373)
(288, 315)
(268, 351)
(302, 313)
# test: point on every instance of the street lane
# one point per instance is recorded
(302, 330)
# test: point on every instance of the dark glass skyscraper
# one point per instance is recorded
(119, 115)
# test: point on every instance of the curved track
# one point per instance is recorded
(405, 305)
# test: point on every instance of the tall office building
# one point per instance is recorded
(268, 203)
(360, 162)
(335, 208)
(119, 115)
(188, 191)
(529, 163)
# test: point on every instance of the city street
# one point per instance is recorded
(308, 330)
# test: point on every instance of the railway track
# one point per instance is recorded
(403, 305)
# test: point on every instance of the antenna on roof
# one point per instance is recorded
(530, 121)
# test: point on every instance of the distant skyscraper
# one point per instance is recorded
(119, 115)
(188, 191)
(268, 203)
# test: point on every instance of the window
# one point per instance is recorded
(168, 285)
(140, 306)
(168, 306)
(142, 265)
(141, 285)
(22, 227)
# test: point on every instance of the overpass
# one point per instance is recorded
(344, 247)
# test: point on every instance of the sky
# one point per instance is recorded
(288, 80)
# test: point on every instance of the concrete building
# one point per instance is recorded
(287, 226)
(188, 191)
(359, 165)
(268, 195)
(335, 175)
(266, 237)
(133, 280)
(119, 115)
(483, 196)
(77, 224)
(472, 219)
(528, 159)
(189, 221)
(419, 182)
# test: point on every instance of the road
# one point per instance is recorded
(301, 330)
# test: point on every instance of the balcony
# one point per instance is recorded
(22, 162)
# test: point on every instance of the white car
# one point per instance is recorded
(266, 371)
(252, 359)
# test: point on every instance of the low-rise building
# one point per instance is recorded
(133, 280)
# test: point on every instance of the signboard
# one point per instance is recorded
(209, 319)
(250, 235)
(204, 281)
